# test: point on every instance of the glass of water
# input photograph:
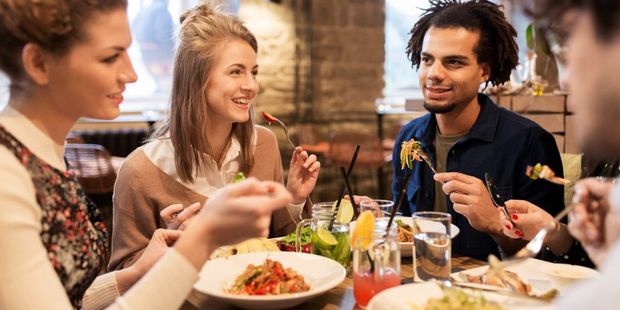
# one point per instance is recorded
(431, 246)
(379, 207)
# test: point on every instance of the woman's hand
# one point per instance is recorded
(241, 211)
(232, 214)
(302, 174)
(160, 241)
(178, 217)
(528, 218)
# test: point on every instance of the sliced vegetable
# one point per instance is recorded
(287, 243)
(326, 239)
(411, 150)
(540, 171)
(238, 177)
(345, 212)
(363, 233)
(269, 118)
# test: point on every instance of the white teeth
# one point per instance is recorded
(241, 101)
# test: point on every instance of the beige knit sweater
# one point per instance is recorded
(142, 190)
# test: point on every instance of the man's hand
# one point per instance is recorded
(589, 219)
(471, 199)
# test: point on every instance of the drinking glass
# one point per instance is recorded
(378, 267)
(432, 247)
(331, 242)
(379, 207)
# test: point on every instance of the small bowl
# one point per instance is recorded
(564, 275)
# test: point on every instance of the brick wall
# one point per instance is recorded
(321, 63)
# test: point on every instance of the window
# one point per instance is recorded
(400, 78)
(154, 27)
(155, 24)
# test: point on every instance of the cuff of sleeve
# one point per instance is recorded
(102, 292)
(171, 268)
(295, 210)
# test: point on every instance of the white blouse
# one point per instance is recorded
(28, 278)
(209, 179)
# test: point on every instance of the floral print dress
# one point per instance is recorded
(72, 230)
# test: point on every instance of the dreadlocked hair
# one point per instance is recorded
(496, 47)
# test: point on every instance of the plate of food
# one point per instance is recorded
(287, 243)
(405, 232)
(429, 295)
(269, 280)
(525, 278)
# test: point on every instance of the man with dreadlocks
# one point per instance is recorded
(456, 47)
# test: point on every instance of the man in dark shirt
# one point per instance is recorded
(457, 47)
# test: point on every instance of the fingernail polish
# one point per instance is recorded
(519, 233)
(508, 226)
(515, 217)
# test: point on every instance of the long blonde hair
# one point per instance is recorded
(202, 30)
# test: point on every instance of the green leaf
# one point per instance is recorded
(529, 36)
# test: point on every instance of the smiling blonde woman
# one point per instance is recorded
(209, 137)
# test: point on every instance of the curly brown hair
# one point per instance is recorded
(497, 46)
(54, 25)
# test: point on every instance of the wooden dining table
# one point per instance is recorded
(340, 297)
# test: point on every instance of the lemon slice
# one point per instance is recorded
(363, 233)
(345, 212)
(325, 237)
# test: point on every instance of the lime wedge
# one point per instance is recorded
(325, 237)
(345, 213)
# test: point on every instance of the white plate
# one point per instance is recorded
(404, 297)
(564, 275)
(406, 248)
(321, 273)
(533, 271)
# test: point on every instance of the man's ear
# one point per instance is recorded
(486, 72)
(36, 63)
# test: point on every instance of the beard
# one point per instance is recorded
(439, 109)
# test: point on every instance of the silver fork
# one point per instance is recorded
(535, 245)
(285, 132)
(496, 198)
(271, 119)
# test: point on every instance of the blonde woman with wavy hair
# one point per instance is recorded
(209, 137)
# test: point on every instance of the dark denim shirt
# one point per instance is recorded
(501, 143)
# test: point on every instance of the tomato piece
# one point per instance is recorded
(269, 118)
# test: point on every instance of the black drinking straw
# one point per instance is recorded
(399, 201)
(348, 185)
(344, 189)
